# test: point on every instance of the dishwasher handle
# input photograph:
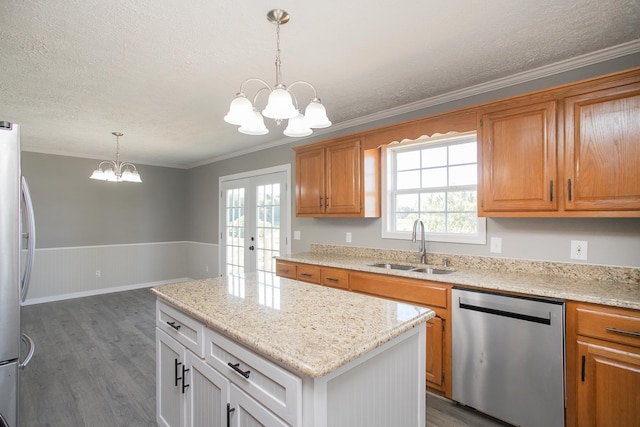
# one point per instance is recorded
(504, 313)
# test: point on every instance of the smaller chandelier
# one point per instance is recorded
(281, 104)
(116, 171)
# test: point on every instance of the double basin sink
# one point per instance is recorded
(404, 267)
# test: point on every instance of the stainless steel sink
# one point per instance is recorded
(392, 266)
(432, 270)
(404, 267)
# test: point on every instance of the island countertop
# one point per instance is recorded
(309, 328)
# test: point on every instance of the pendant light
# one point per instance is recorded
(116, 171)
(282, 103)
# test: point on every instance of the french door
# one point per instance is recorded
(254, 212)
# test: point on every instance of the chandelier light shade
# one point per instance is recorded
(116, 171)
(282, 103)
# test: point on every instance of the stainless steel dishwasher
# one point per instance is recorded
(508, 356)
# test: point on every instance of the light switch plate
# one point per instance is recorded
(296, 234)
(496, 245)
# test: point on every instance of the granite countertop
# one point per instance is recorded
(309, 328)
(569, 282)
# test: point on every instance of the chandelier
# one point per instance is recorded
(281, 104)
(116, 171)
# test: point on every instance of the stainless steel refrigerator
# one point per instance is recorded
(17, 230)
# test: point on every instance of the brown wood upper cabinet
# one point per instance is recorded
(518, 158)
(337, 178)
(572, 151)
(602, 149)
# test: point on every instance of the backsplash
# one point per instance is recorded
(506, 265)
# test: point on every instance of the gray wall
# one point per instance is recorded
(614, 242)
(73, 210)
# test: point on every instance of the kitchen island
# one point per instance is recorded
(263, 350)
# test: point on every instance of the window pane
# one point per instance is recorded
(407, 203)
(434, 178)
(462, 201)
(407, 160)
(408, 180)
(463, 153)
(436, 222)
(463, 223)
(463, 175)
(434, 157)
(432, 202)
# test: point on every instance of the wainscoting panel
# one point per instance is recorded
(63, 273)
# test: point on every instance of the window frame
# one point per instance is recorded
(388, 189)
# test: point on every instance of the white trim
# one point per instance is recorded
(592, 58)
(113, 245)
(477, 239)
(102, 291)
(100, 157)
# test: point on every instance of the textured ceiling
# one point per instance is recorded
(163, 71)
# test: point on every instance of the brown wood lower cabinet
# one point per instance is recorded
(603, 366)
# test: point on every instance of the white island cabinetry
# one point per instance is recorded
(227, 358)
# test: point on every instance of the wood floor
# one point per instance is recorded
(95, 366)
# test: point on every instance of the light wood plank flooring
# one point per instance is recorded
(95, 366)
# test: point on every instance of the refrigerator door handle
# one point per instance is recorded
(31, 239)
(32, 349)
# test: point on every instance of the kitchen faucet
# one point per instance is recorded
(422, 250)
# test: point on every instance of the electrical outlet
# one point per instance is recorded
(579, 249)
(496, 245)
(98, 273)
(348, 237)
(296, 234)
(206, 268)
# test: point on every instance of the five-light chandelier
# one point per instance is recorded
(282, 103)
(116, 171)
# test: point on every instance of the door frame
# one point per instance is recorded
(286, 168)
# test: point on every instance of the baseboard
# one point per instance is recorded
(62, 297)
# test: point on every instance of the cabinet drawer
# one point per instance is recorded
(286, 269)
(420, 292)
(308, 273)
(620, 327)
(184, 329)
(334, 277)
(274, 387)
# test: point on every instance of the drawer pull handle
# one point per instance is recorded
(282, 270)
(305, 274)
(623, 332)
(236, 368)
(174, 326)
(331, 279)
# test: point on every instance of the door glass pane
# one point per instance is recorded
(234, 230)
(267, 226)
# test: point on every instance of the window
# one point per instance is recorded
(434, 179)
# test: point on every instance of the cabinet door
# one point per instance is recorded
(170, 358)
(519, 159)
(602, 149)
(343, 178)
(435, 345)
(206, 396)
(310, 182)
(608, 386)
(246, 412)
